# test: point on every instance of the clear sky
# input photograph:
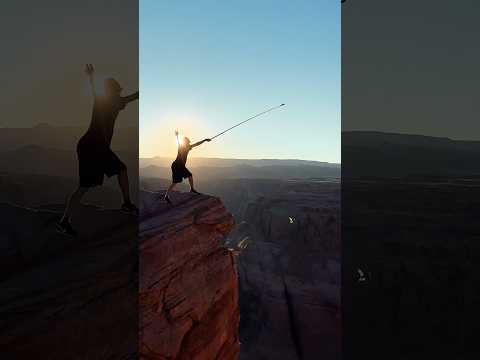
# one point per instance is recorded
(206, 65)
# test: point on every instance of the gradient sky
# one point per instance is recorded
(411, 67)
(45, 46)
(206, 65)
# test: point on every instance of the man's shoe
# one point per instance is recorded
(64, 227)
(129, 208)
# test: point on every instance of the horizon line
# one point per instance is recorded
(231, 158)
(408, 134)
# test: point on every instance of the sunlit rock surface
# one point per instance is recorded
(188, 282)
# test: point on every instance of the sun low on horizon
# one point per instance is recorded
(214, 66)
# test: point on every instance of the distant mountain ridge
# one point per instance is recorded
(247, 172)
(378, 154)
(375, 138)
(162, 161)
(35, 159)
(215, 168)
(61, 137)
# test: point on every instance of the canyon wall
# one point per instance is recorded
(188, 292)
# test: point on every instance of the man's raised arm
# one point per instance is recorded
(89, 70)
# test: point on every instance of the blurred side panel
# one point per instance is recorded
(66, 296)
(410, 179)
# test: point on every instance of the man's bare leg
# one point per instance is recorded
(72, 202)
(170, 188)
(127, 206)
(124, 186)
(192, 188)
(64, 226)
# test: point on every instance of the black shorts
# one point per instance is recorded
(96, 160)
(179, 172)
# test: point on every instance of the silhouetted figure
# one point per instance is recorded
(179, 169)
(95, 158)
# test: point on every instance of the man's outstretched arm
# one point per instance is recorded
(199, 143)
(130, 98)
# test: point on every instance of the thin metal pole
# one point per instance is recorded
(244, 121)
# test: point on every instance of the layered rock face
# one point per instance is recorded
(64, 298)
(188, 282)
(289, 271)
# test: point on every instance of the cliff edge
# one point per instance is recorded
(188, 291)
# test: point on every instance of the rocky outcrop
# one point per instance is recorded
(188, 282)
(65, 298)
(288, 239)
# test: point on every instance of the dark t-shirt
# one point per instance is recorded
(104, 114)
(183, 151)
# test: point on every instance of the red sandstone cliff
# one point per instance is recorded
(188, 293)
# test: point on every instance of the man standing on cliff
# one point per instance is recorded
(95, 157)
(179, 169)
